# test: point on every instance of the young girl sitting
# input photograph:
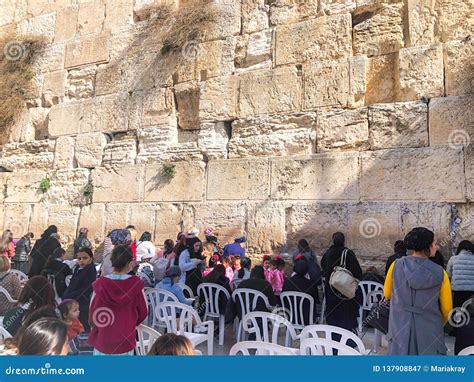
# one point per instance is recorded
(229, 272)
(69, 310)
(118, 306)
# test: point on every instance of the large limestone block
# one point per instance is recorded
(328, 176)
(273, 135)
(343, 130)
(43, 25)
(105, 113)
(326, 83)
(64, 153)
(459, 67)
(121, 150)
(88, 50)
(238, 180)
(54, 87)
(421, 72)
(227, 219)
(400, 124)
(142, 217)
(36, 8)
(290, 11)
(470, 172)
(67, 186)
(93, 218)
(254, 51)
(153, 142)
(38, 220)
(451, 120)
(64, 119)
(187, 105)
(116, 216)
(28, 155)
(381, 32)
(89, 149)
(118, 14)
(466, 228)
(420, 22)
(408, 174)
(16, 219)
(455, 19)
(66, 23)
(91, 17)
(168, 222)
(3, 185)
(382, 79)
(187, 184)
(52, 58)
(213, 139)
(123, 184)
(218, 99)
(270, 91)
(254, 15)
(330, 40)
(358, 66)
(151, 108)
(65, 218)
(81, 82)
(7, 15)
(265, 226)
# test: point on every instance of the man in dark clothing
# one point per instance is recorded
(44, 246)
(400, 251)
(22, 250)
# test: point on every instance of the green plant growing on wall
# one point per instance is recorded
(88, 192)
(45, 185)
(169, 170)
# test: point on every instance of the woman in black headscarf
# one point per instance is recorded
(43, 248)
(340, 311)
(194, 276)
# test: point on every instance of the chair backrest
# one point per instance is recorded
(266, 326)
(52, 281)
(248, 299)
(374, 297)
(323, 346)
(67, 280)
(23, 277)
(235, 283)
(178, 317)
(163, 295)
(211, 292)
(146, 338)
(154, 297)
(187, 291)
(366, 287)
(145, 278)
(326, 332)
(8, 295)
(467, 351)
(4, 333)
(261, 348)
(294, 303)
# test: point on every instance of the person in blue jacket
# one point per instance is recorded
(236, 248)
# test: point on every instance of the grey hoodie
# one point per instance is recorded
(461, 271)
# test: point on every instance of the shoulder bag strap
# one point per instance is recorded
(343, 258)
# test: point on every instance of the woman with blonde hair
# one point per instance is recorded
(7, 248)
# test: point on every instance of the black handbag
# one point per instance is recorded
(378, 316)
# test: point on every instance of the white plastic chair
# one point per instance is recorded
(23, 277)
(366, 287)
(467, 351)
(326, 332)
(145, 278)
(261, 348)
(323, 346)
(266, 327)
(8, 295)
(211, 293)
(373, 298)
(184, 320)
(293, 303)
(4, 333)
(322, 316)
(248, 299)
(156, 296)
(146, 338)
(187, 291)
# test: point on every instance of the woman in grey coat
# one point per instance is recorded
(420, 299)
(461, 272)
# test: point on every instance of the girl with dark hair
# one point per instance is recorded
(44, 246)
(341, 312)
(314, 270)
(275, 275)
(57, 269)
(243, 273)
(460, 270)
(420, 299)
(47, 336)
(217, 276)
(190, 261)
(70, 312)
(399, 251)
(36, 293)
(145, 247)
(117, 307)
(80, 287)
(257, 282)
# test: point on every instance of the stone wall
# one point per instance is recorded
(290, 119)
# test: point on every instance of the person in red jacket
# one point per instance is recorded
(117, 307)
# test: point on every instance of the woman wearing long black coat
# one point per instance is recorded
(43, 248)
(339, 311)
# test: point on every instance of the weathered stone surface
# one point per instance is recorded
(89, 149)
(343, 130)
(168, 222)
(28, 155)
(23, 187)
(39, 120)
(254, 15)
(267, 91)
(470, 171)
(43, 25)
(326, 83)
(421, 72)
(358, 67)
(66, 23)
(466, 228)
(187, 105)
(66, 218)
(455, 19)
(67, 187)
(116, 216)
(8, 12)
(266, 226)
(330, 40)
(54, 87)
(213, 139)
(420, 22)
(401, 124)
(81, 82)
(38, 220)
(153, 142)
(123, 184)
(238, 180)
(434, 216)
(64, 119)
(254, 51)
(16, 218)
(381, 33)
(52, 58)
(64, 153)
(91, 17)
(273, 135)
(451, 120)
(187, 184)
(329, 176)
(3, 185)
(143, 217)
(93, 218)
(36, 8)
(151, 108)
(408, 174)
(459, 67)
(122, 149)
(290, 11)
(119, 14)
(382, 79)
(105, 113)
(90, 50)
(218, 99)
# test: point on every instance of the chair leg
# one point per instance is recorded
(239, 330)
(377, 340)
(221, 329)
(287, 339)
(210, 344)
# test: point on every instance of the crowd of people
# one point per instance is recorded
(101, 295)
